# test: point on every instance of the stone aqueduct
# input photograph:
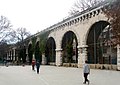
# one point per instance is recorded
(82, 26)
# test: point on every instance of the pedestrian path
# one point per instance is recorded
(52, 75)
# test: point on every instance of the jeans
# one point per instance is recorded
(85, 77)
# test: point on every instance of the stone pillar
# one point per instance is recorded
(11, 55)
(58, 57)
(118, 57)
(27, 58)
(14, 54)
(33, 57)
(82, 55)
(79, 57)
(44, 60)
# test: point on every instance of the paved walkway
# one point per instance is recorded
(52, 75)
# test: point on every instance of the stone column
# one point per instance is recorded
(118, 57)
(33, 56)
(44, 60)
(27, 58)
(82, 55)
(79, 57)
(13, 54)
(58, 57)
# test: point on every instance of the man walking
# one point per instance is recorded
(86, 71)
(37, 66)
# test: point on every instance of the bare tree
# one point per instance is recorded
(18, 37)
(113, 13)
(81, 5)
(10, 36)
(5, 32)
(5, 29)
(19, 34)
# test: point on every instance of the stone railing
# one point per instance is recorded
(103, 66)
(92, 66)
(79, 17)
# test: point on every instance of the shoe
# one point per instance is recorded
(84, 83)
(88, 82)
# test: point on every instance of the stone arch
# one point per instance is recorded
(69, 45)
(50, 52)
(92, 37)
(58, 34)
(38, 39)
(103, 24)
(38, 54)
(95, 39)
(29, 43)
(30, 53)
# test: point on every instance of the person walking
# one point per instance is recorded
(33, 65)
(86, 71)
(37, 66)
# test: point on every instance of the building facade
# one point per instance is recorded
(75, 39)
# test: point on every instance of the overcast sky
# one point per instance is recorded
(35, 15)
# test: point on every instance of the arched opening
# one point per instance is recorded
(99, 41)
(30, 53)
(50, 52)
(38, 54)
(24, 54)
(69, 48)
